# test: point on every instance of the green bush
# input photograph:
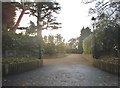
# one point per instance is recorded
(87, 44)
(12, 60)
(49, 48)
(24, 45)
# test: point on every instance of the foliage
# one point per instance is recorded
(59, 39)
(53, 44)
(103, 7)
(106, 34)
(50, 48)
(106, 28)
(45, 13)
(24, 45)
(80, 45)
(32, 29)
(72, 45)
(12, 60)
(111, 8)
(106, 39)
(87, 44)
(60, 48)
(51, 39)
(85, 32)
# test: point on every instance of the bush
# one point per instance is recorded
(49, 48)
(23, 45)
(87, 44)
(12, 60)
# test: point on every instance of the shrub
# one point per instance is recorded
(87, 44)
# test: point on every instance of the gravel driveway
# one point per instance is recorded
(72, 70)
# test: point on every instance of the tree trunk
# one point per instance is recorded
(18, 21)
(39, 32)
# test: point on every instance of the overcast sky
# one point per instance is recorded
(73, 16)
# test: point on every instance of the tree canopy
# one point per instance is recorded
(85, 32)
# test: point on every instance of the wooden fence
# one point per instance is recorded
(8, 69)
(107, 66)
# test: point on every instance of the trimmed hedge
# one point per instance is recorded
(87, 44)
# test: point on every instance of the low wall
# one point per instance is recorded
(111, 67)
(8, 69)
(107, 66)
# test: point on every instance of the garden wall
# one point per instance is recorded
(9, 69)
(107, 66)
(111, 67)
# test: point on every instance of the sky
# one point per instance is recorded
(73, 16)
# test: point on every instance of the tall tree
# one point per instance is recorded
(85, 32)
(106, 38)
(59, 39)
(73, 43)
(43, 9)
(109, 8)
(51, 39)
(23, 6)
(106, 31)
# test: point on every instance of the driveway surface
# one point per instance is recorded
(72, 70)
